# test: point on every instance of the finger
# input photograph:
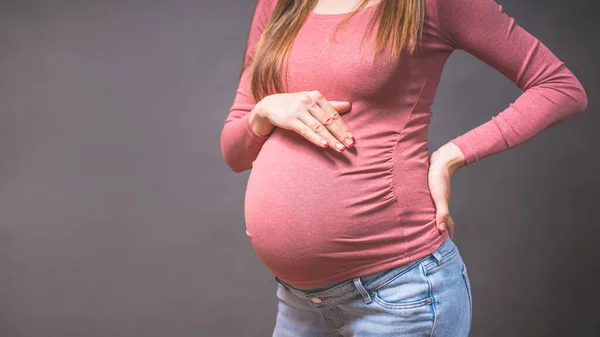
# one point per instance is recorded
(442, 215)
(307, 132)
(330, 118)
(341, 106)
(451, 227)
(309, 113)
(315, 125)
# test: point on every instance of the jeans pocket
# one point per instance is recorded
(407, 290)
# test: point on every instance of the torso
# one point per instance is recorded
(315, 216)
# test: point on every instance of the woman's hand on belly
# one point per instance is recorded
(309, 114)
(443, 164)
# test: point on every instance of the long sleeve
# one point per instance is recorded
(551, 93)
(240, 145)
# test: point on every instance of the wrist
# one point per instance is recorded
(259, 123)
(450, 156)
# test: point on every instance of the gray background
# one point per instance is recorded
(119, 217)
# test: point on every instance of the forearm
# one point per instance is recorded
(551, 92)
(244, 134)
(242, 138)
(539, 107)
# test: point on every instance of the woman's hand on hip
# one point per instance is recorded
(309, 114)
(443, 164)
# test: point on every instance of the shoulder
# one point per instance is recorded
(467, 20)
(469, 10)
(266, 6)
(263, 10)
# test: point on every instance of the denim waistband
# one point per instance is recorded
(341, 291)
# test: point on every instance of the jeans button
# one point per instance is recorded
(316, 300)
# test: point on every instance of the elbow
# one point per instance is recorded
(231, 158)
(238, 168)
(233, 164)
(582, 99)
(578, 95)
(574, 99)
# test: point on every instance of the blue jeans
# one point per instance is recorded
(427, 297)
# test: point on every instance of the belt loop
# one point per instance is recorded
(362, 290)
(438, 257)
(278, 280)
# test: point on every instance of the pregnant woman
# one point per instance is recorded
(344, 203)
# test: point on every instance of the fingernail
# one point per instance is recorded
(324, 143)
(348, 142)
(340, 147)
(350, 135)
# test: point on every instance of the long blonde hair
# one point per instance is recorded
(402, 19)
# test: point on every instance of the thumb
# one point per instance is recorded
(341, 106)
(442, 216)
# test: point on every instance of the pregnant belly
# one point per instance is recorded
(307, 206)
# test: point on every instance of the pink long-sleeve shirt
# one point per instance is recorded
(315, 216)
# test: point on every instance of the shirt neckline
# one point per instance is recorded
(336, 16)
